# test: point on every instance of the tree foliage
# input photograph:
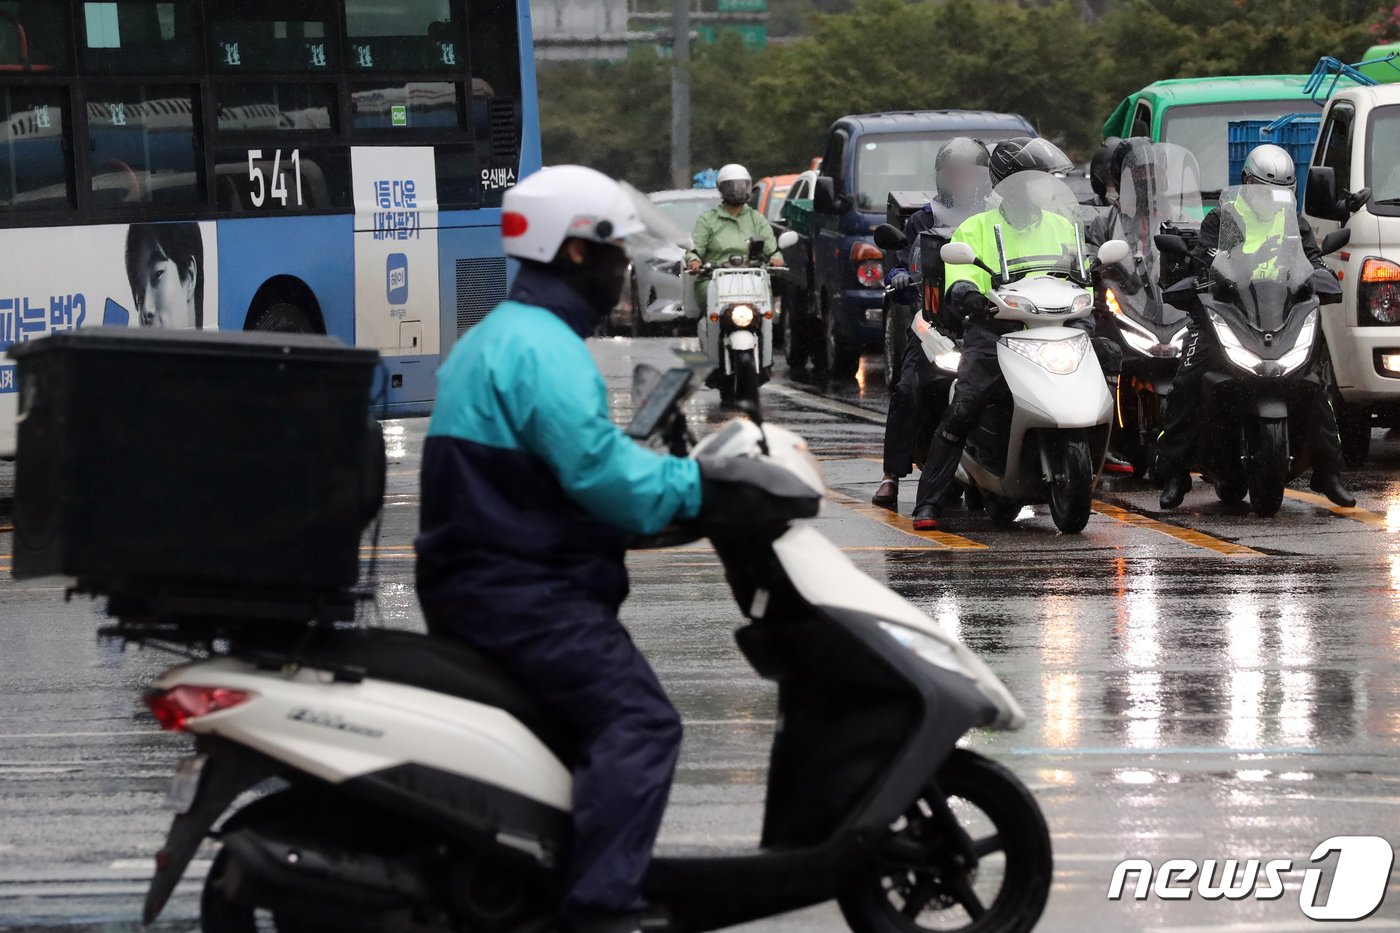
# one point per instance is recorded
(770, 108)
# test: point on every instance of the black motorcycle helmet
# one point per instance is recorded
(1101, 173)
(1024, 154)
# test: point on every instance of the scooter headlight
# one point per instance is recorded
(1081, 304)
(1245, 359)
(935, 652)
(1060, 357)
(949, 361)
(1302, 347)
(741, 315)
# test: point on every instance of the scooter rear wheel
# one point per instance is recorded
(989, 873)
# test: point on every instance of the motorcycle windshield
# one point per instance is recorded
(1259, 261)
(1038, 227)
(1160, 183)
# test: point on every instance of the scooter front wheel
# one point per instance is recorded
(971, 855)
(1268, 466)
(1072, 491)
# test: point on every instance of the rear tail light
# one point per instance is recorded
(870, 263)
(1379, 292)
(175, 707)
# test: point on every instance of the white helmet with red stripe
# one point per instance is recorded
(563, 201)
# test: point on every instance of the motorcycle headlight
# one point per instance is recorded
(1060, 357)
(1302, 347)
(1080, 304)
(1018, 303)
(1179, 340)
(949, 361)
(1137, 341)
(1245, 359)
(741, 315)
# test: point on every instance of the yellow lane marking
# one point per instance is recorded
(1355, 514)
(900, 523)
(1185, 535)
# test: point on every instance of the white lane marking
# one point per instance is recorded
(1273, 927)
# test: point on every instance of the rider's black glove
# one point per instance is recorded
(901, 280)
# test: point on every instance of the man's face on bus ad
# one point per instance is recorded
(166, 294)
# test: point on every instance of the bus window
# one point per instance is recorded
(34, 36)
(403, 35)
(493, 31)
(404, 105)
(273, 36)
(142, 146)
(33, 167)
(286, 107)
(139, 37)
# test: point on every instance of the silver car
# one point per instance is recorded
(651, 303)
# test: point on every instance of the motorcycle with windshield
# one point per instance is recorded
(1043, 436)
(736, 324)
(1260, 307)
(1159, 192)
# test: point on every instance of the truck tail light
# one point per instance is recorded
(1379, 292)
(870, 263)
(870, 273)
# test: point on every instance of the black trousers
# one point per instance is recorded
(901, 428)
(979, 373)
(576, 656)
(1177, 444)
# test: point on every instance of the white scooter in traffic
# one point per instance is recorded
(422, 788)
(735, 326)
(1047, 441)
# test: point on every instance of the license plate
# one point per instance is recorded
(185, 786)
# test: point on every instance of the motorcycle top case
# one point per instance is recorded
(194, 461)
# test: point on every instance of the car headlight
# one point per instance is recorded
(1302, 347)
(1060, 357)
(1245, 359)
(741, 315)
(934, 651)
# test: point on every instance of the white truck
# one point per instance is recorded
(1358, 147)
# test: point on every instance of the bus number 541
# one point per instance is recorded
(279, 180)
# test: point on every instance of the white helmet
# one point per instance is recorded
(734, 183)
(1269, 165)
(564, 201)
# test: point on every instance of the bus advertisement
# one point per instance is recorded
(328, 166)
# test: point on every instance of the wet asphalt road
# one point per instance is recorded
(1199, 685)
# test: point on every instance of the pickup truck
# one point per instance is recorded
(1358, 146)
(834, 294)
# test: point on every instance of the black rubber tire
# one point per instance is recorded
(1002, 512)
(745, 377)
(1022, 838)
(1268, 465)
(839, 358)
(898, 318)
(283, 317)
(1072, 492)
(1231, 491)
(1355, 427)
(797, 343)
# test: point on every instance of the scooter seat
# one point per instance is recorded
(447, 667)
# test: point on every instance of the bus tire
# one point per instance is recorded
(284, 317)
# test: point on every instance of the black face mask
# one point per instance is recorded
(599, 278)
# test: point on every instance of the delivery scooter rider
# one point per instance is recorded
(529, 492)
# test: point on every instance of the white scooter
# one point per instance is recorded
(1046, 440)
(423, 789)
(735, 326)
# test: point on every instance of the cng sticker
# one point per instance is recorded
(398, 114)
(396, 277)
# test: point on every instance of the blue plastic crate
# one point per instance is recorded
(1295, 132)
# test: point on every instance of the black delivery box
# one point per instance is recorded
(198, 464)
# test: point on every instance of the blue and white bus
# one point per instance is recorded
(330, 166)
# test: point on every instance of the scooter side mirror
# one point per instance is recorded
(1114, 252)
(958, 254)
(1335, 240)
(1182, 295)
(1171, 244)
(889, 237)
(788, 239)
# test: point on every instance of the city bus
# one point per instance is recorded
(324, 166)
